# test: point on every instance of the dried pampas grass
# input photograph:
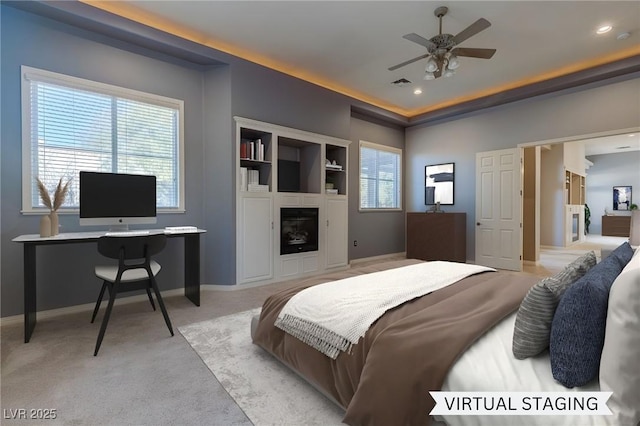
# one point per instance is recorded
(44, 194)
(58, 196)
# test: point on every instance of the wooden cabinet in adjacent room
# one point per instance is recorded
(437, 236)
(616, 226)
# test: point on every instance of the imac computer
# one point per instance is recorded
(117, 200)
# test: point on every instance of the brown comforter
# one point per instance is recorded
(406, 353)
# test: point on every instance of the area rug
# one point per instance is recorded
(267, 392)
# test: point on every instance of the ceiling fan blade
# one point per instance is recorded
(419, 40)
(474, 53)
(410, 61)
(471, 30)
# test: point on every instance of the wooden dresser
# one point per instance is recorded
(616, 226)
(437, 236)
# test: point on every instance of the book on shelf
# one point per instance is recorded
(253, 176)
(243, 178)
(252, 150)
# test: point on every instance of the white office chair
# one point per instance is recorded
(135, 271)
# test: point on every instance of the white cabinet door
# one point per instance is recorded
(255, 242)
(337, 232)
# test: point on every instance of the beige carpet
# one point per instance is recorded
(267, 392)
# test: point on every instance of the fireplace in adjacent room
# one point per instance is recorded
(575, 227)
(298, 230)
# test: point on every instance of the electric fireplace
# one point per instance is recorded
(298, 230)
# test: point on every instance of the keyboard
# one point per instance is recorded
(180, 229)
(126, 233)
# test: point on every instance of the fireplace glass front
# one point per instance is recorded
(298, 230)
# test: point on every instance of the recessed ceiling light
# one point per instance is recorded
(631, 135)
(417, 91)
(604, 29)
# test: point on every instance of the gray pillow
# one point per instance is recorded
(533, 320)
(577, 331)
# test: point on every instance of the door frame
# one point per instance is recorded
(575, 138)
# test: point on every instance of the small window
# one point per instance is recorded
(71, 124)
(380, 177)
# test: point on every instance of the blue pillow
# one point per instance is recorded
(623, 253)
(577, 330)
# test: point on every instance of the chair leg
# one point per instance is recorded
(95, 310)
(153, 305)
(113, 290)
(161, 303)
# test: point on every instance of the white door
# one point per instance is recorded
(498, 209)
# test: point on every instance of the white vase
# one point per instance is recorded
(53, 217)
(45, 226)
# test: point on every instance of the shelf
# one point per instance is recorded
(298, 166)
(574, 187)
(255, 152)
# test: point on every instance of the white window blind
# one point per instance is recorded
(73, 124)
(380, 177)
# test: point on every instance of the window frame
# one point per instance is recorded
(388, 149)
(27, 74)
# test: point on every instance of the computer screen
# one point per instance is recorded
(117, 199)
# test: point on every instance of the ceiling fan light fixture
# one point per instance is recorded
(448, 73)
(429, 76)
(432, 65)
(453, 62)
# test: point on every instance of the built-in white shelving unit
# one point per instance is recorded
(291, 199)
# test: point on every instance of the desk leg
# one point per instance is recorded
(192, 267)
(29, 290)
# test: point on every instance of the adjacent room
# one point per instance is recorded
(318, 213)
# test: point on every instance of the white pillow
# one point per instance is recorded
(620, 362)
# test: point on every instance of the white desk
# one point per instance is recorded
(31, 241)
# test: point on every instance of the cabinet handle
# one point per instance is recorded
(478, 223)
(327, 222)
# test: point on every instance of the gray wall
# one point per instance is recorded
(609, 170)
(212, 97)
(65, 272)
(596, 109)
(377, 233)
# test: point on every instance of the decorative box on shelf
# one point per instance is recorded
(255, 187)
(331, 191)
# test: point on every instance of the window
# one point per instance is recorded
(71, 124)
(380, 177)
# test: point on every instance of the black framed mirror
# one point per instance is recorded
(439, 184)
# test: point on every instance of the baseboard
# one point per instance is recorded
(86, 307)
(355, 262)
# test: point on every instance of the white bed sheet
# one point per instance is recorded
(489, 365)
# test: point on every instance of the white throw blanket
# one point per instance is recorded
(332, 317)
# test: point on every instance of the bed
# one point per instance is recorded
(457, 338)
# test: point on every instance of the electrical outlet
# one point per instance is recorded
(355, 243)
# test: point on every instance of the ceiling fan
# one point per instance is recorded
(442, 51)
